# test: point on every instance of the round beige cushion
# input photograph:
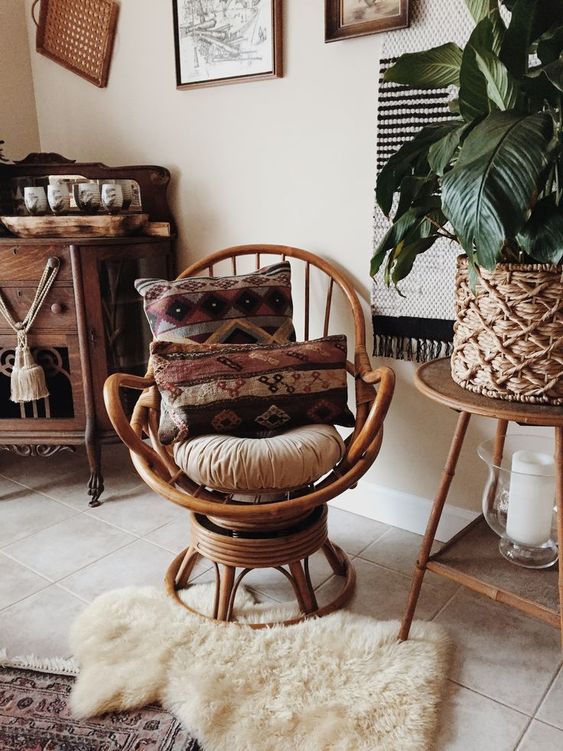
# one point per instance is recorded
(290, 460)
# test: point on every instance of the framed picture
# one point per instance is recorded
(227, 41)
(355, 18)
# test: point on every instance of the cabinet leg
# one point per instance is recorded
(433, 521)
(96, 481)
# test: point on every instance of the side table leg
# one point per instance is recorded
(559, 503)
(446, 480)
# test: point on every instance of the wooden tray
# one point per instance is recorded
(77, 225)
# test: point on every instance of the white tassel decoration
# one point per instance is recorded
(27, 381)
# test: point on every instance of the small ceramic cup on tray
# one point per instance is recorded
(87, 197)
(112, 197)
(59, 198)
(35, 200)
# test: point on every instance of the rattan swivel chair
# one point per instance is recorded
(238, 537)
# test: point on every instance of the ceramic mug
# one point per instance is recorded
(59, 198)
(87, 197)
(35, 200)
(112, 197)
(127, 191)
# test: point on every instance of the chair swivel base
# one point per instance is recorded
(247, 549)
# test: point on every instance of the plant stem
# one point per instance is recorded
(441, 230)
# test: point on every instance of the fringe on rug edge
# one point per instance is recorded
(410, 348)
(57, 665)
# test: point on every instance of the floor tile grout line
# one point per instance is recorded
(101, 558)
(41, 589)
(67, 576)
(409, 577)
(37, 531)
(491, 698)
(369, 544)
(546, 722)
(445, 605)
(523, 734)
(87, 507)
(123, 529)
(559, 670)
(89, 516)
(60, 585)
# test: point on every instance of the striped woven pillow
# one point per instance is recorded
(250, 390)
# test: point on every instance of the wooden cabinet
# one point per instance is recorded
(91, 323)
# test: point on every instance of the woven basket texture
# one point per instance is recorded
(508, 334)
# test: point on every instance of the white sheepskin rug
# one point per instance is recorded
(338, 683)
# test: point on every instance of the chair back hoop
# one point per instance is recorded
(155, 463)
(309, 260)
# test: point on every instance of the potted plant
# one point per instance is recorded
(490, 179)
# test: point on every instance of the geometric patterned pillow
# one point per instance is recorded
(244, 309)
(249, 389)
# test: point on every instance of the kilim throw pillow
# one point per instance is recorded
(243, 309)
(250, 390)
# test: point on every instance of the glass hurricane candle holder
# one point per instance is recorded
(519, 499)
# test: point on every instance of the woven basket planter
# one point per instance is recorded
(508, 334)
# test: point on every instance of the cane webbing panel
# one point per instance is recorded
(78, 34)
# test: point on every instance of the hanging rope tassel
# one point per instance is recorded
(28, 382)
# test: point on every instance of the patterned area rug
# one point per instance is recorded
(35, 716)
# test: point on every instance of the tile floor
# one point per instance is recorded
(505, 689)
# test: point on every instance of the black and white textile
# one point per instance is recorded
(418, 326)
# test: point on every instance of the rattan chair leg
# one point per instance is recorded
(337, 564)
(308, 601)
(190, 559)
(226, 583)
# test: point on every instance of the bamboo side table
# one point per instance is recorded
(471, 558)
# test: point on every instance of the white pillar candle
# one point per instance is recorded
(531, 498)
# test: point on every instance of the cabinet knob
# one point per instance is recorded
(57, 308)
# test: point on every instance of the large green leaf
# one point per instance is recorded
(529, 20)
(414, 188)
(542, 236)
(473, 93)
(479, 9)
(404, 160)
(490, 192)
(550, 44)
(501, 87)
(407, 254)
(410, 226)
(433, 68)
(554, 72)
(441, 153)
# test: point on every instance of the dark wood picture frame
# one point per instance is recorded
(207, 32)
(336, 28)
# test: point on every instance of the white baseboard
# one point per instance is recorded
(403, 510)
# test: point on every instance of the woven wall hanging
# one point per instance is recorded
(417, 325)
(78, 34)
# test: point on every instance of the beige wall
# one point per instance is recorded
(284, 161)
(18, 118)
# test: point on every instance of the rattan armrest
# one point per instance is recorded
(366, 380)
(131, 433)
